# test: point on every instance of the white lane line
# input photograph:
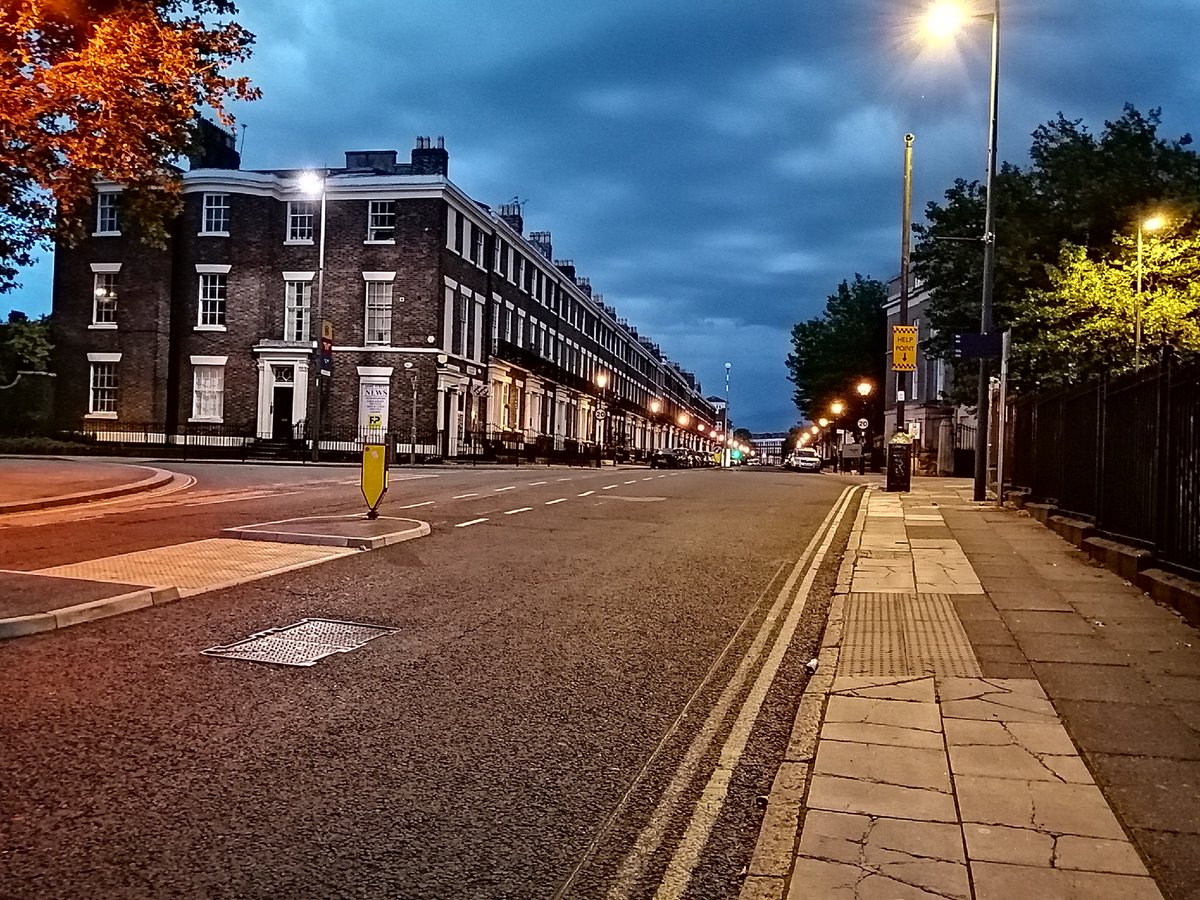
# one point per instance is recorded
(648, 478)
(564, 479)
(634, 481)
(536, 483)
(704, 816)
(653, 833)
(511, 487)
(663, 475)
(463, 496)
(415, 505)
(472, 522)
(609, 487)
(587, 493)
(513, 512)
(559, 500)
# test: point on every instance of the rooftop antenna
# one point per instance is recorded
(242, 144)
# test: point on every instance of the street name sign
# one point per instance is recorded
(904, 348)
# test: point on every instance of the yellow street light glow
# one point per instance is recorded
(602, 380)
(945, 19)
(822, 422)
(1153, 223)
(837, 407)
(816, 430)
(864, 388)
(656, 406)
(684, 419)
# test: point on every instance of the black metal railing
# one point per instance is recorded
(1122, 453)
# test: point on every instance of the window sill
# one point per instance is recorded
(389, 241)
(103, 326)
(213, 420)
(212, 234)
(101, 415)
(106, 234)
(305, 243)
(209, 328)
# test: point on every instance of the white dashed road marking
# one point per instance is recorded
(472, 522)
(587, 493)
(511, 487)
(609, 487)
(415, 505)
(536, 483)
(632, 482)
(513, 512)
(559, 500)
(463, 496)
(566, 479)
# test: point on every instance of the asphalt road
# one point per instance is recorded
(541, 724)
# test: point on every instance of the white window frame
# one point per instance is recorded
(107, 222)
(380, 212)
(478, 236)
(104, 279)
(297, 304)
(208, 400)
(378, 297)
(298, 211)
(106, 408)
(212, 297)
(214, 212)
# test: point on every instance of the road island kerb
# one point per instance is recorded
(33, 483)
(991, 715)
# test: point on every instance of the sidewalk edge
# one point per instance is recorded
(158, 479)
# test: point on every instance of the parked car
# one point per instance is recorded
(805, 459)
(671, 458)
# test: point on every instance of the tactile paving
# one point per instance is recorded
(905, 634)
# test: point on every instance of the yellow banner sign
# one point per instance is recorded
(904, 348)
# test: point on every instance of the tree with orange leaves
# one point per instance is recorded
(105, 89)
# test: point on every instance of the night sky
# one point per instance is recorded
(715, 168)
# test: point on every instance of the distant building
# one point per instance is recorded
(770, 445)
(446, 319)
(928, 416)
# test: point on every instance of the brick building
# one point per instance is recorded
(437, 303)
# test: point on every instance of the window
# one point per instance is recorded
(459, 335)
(104, 298)
(208, 393)
(103, 392)
(379, 312)
(216, 214)
(106, 214)
(213, 293)
(477, 257)
(504, 267)
(297, 303)
(300, 220)
(381, 220)
(458, 233)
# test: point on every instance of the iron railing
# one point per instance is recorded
(1122, 453)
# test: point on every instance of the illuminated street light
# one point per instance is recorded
(815, 430)
(864, 388)
(823, 422)
(313, 185)
(1152, 224)
(945, 19)
(837, 407)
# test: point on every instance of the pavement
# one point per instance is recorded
(992, 715)
(60, 596)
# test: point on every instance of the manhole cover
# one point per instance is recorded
(302, 643)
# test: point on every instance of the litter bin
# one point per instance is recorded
(899, 463)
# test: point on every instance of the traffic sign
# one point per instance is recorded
(904, 348)
(325, 355)
(863, 423)
(977, 346)
(374, 479)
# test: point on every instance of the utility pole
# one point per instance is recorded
(905, 235)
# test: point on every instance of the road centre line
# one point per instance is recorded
(415, 505)
(511, 487)
(559, 500)
(463, 496)
(536, 483)
(648, 478)
(472, 522)
(633, 481)
(653, 833)
(513, 512)
(609, 487)
(586, 494)
(564, 479)
(712, 799)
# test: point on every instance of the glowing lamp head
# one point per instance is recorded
(602, 380)
(864, 388)
(837, 407)
(1153, 223)
(945, 19)
(311, 184)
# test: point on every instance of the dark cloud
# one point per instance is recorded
(716, 169)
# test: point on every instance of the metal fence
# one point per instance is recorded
(1122, 453)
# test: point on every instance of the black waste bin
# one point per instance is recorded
(899, 467)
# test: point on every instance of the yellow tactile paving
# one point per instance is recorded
(200, 565)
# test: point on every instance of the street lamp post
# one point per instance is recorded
(864, 390)
(602, 383)
(412, 434)
(313, 184)
(1151, 224)
(725, 418)
(943, 20)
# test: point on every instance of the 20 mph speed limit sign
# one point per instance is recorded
(863, 423)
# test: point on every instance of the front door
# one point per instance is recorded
(281, 412)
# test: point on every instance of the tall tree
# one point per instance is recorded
(834, 351)
(24, 344)
(104, 89)
(1079, 189)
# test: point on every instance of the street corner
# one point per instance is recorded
(28, 483)
(354, 531)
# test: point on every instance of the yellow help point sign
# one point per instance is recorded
(904, 348)
(374, 475)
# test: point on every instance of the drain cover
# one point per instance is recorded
(302, 643)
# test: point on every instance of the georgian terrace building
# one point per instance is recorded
(452, 332)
